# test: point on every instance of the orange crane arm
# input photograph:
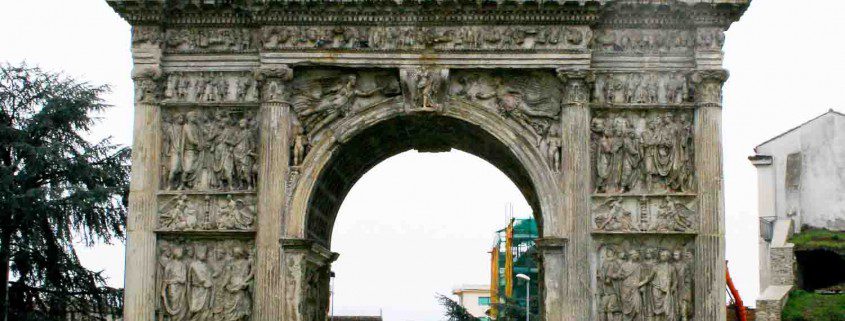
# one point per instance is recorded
(739, 307)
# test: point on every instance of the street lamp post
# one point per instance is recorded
(527, 294)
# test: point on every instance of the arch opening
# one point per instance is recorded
(421, 132)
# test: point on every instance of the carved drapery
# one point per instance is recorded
(227, 135)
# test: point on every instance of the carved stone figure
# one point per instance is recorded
(650, 152)
(174, 287)
(610, 302)
(632, 303)
(424, 87)
(239, 305)
(200, 292)
(299, 144)
(209, 149)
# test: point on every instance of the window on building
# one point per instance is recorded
(484, 300)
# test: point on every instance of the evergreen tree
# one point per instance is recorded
(56, 187)
(454, 311)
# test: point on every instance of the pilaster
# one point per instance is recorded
(140, 295)
(575, 160)
(710, 243)
(273, 168)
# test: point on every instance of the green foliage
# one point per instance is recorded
(511, 310)
(808, 306)
(454, 311)
(815, 239)
(56, 187)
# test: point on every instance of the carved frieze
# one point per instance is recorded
(405, 38)
(207, 212)
(188, 40)
(645, 279)
(642, 88)
(320, 97)
(618, 214)
(204, 280)
(642, 152)
(209, 149)
(211, 87)
(643, 41)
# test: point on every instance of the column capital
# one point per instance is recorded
(551, 244)
(147, 83)
(576, 90)
(313, 251)
(708, 86)
(567, 75)
(272, 80)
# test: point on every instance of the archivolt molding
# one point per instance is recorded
(508, 133)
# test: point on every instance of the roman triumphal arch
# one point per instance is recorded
(253, 119)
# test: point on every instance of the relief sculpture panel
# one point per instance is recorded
(321, 97)
(204, 280)
(209, 149)
(530, 99)
(207, 212)
(642, 88)
(210, 87)
(644, 279)
(642, 152)
(644, 214)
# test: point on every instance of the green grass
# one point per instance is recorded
(808, 306)
(817, 239)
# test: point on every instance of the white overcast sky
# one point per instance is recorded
(420, 224)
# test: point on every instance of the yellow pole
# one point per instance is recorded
(494, 281)
(509, 260)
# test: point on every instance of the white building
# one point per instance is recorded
(801, 183)
(475, 298)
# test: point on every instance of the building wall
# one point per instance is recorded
(818, 199)
(469, 299)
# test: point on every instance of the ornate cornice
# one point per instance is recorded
(456, 12)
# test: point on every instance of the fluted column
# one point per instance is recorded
(575, 160)
(710, 245)
(273, 167)
(140, 287)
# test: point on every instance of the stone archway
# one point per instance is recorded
(253, 119)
